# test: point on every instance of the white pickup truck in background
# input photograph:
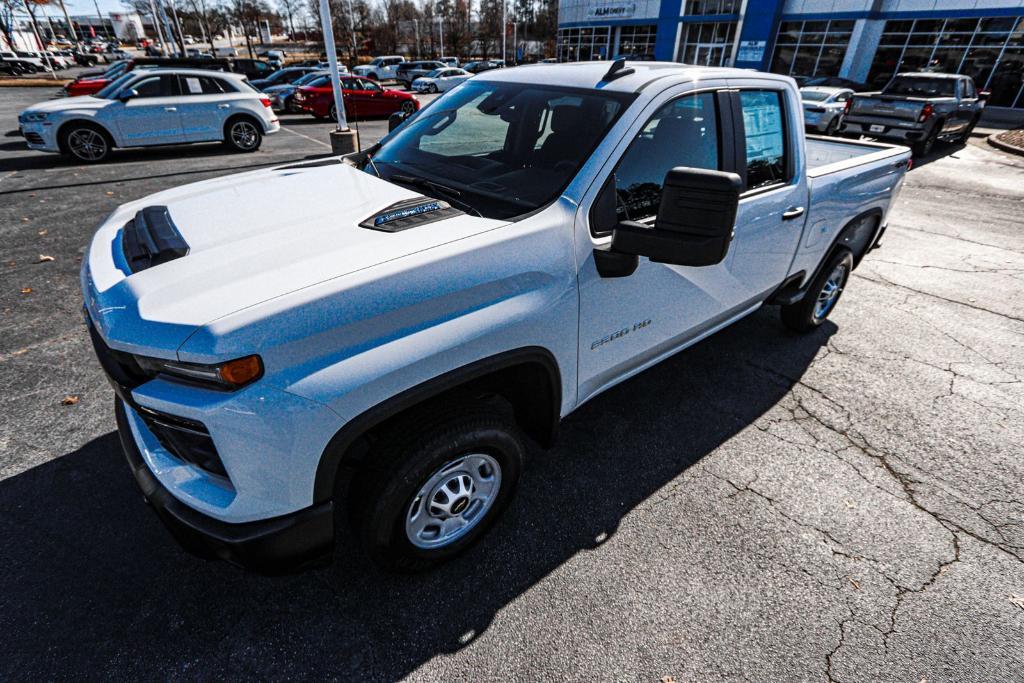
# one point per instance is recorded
(379, 334)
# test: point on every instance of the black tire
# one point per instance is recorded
(408, 108)
(432, 88)
(805, 315)
(833, 126)
(332, 113)
(924, 147)
(85, 142)
(243, 134)
(372, 77)
(383, 496)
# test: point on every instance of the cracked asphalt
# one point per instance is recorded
(843, 506)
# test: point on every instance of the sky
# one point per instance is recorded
(87, 7)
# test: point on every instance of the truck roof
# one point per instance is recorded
(929, 74)
(590, 74)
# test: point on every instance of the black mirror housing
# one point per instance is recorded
(695, 220)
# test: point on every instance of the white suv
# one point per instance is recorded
(152, 107)
(380, 68)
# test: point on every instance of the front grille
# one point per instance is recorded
(119, 366)
(186, 439)
(34, 138)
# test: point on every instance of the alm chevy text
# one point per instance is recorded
(372, 340)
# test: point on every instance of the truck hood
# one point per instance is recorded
(251, 238)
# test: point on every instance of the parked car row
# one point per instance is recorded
(146, 106)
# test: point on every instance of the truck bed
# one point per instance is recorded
(829, 155)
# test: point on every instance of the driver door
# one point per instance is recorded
(152, 117)
(627, 323)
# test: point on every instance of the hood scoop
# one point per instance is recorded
(410, 213)
(151, 238)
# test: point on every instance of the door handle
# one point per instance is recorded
(170, 109)
(792, 212)
(223, 106)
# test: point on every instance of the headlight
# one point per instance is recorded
(34, 116)
(229, 375)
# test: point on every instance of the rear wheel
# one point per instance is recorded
(925, 146)
(822, 296)
(86, 142)
(433, 485)
(243, 135)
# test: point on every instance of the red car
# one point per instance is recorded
(92, 84)
(363, 98)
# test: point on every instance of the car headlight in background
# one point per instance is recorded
(33, 116)
(228, 376)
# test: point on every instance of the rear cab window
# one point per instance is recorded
(766, 140)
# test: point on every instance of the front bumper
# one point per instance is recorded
(273, 546)
(41, 136)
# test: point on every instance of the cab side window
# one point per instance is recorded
(683, 132)
(156, 86)
(765, 135)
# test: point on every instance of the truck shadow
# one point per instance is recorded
(89, 572)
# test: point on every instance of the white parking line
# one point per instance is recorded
(293, 132)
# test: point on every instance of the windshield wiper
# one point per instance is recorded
(450, 192)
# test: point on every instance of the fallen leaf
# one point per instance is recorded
(69, 400)
(24, 220)
(668, 679)
(45, 258)
(855, 582)
(26, 290)
(43, 232)
(1017, 600)
(110, 194)
(20, 352)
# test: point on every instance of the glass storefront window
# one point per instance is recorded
(637, 42)
(583, 44)
(699, 7)
(811, 48)
(707, 44)
(990, 50)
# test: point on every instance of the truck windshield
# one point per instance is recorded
(921, 86)
(500, 150)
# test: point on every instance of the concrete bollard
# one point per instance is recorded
(344, 141)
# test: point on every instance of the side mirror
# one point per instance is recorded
(693, 227)
(397, 119)
(983, 95)
(126, 95)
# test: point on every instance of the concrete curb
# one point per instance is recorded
(1004, 146)
(33, 82)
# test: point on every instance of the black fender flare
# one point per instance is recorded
(340, 451)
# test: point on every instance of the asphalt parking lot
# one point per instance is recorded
(842, 506)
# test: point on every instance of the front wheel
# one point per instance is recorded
(434, 485)
(822, 296)
(432, 88)
(86, 142)
(408, 107)
(966, 135)
(833, 127)
(243, 135)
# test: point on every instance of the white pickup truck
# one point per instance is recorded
(371, 340)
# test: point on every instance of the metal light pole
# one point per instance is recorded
(71, 27)
(156, 22)
(100, 17)
(39, 40)
(503, 31)
(440, 28)
(343, 140)
(177, 26)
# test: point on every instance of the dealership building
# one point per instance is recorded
(862, 40)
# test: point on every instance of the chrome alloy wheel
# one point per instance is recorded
(86, 143)
(244, 135)
(830, 292)
(453, 500)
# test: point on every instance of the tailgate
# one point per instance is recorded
(881, 106)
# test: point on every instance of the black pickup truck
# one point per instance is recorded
(917, 109)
